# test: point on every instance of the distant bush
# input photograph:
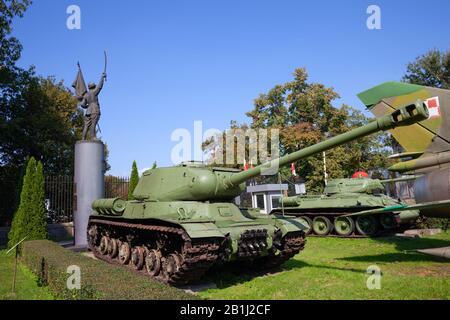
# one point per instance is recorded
(432, 223)
(134, 179)
(99, 280)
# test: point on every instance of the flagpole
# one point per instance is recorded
(281, 193)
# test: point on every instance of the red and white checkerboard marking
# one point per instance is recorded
(434, 108)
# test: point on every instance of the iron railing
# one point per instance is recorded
(59, 198)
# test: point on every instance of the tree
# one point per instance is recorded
(134, 179)
(155, 165)
(40, 119)
(30, 218)
(431, 69)
(10, 47)
(38, 116)
(304, 115)
(39, 218)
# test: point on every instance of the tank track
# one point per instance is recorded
(194, 260)
(380, 232)
(290, 246)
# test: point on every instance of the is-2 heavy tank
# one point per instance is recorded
(326, 214)
(183, 221)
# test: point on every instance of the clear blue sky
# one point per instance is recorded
(174, 62)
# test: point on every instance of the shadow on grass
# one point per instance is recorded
(404, 244)
(407, 248)
(233, 274)
(396, 257)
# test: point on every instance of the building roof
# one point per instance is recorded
(267, 188)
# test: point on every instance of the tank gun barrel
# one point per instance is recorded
(401, 117)
(400, 179)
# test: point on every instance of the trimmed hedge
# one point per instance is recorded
(99, 280)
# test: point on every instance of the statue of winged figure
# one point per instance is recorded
(88, 100)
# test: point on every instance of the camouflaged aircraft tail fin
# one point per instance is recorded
(428, 136)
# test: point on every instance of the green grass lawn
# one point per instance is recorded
(27, 287)
(332, 268)
(329, 268)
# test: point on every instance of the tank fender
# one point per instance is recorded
(291, 225)
(202, 230)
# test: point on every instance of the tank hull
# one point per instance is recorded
(179, 246)
(324, 214)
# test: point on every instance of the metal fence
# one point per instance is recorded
(59, 195)
(116, 187)
(59, 198)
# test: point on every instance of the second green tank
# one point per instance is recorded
(325, 213)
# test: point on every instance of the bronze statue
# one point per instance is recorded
(88, 99)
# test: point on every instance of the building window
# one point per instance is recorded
(275, 201)
(260, 202)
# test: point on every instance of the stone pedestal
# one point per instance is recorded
(89, 184)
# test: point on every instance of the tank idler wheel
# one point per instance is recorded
(366, 225)
(138, 257)
(344, 226)
(113, 248)
(153, 262)
(322, 226)
(310, 223)
(104, 244)
(124, 253)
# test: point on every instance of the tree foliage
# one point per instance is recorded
(39, 119)
(431, 69)
(38, 116)
(10, 47)
(134, 179)
(30, 218)
(304, 115)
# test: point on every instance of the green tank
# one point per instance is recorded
(326, 213)
(183, 220)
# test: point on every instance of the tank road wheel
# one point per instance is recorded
(366, 225)
(92, 236)
(124, 253)
(388, 221)
(104, 244)
(138, 257)
(113, 248)
(321, 225)
(309, 222)
(171, 265)
(344, 226)
(153, 262)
